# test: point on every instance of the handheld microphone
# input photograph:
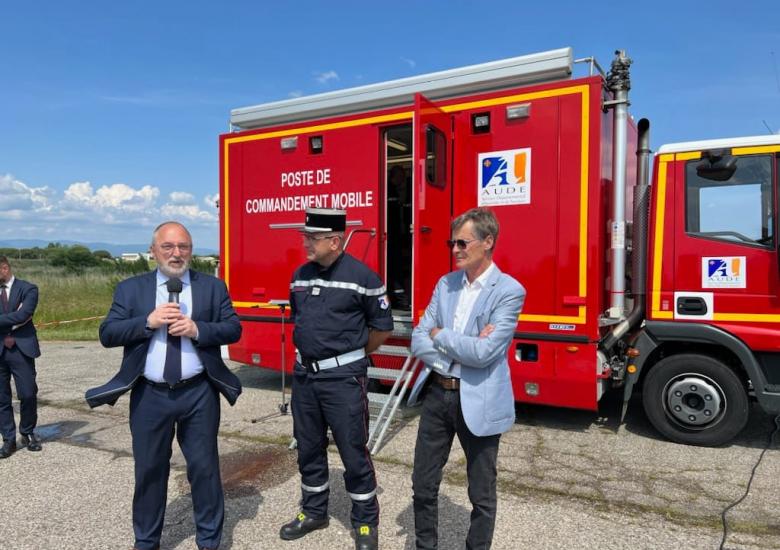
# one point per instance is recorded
(174, 288)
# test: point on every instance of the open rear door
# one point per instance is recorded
(432, 200)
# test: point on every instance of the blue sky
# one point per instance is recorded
(110, 111)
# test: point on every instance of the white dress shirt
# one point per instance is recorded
(155, 357)
(467, 297)
(8, 286)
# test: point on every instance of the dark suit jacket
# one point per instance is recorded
(26, 295)
(125, 325)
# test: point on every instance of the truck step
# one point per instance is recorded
(380, 399)
(395, 351)
(402, 329)
(384, 374)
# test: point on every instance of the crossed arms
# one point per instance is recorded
(439, 347)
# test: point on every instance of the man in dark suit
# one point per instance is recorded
(173, 365)
(18, 350)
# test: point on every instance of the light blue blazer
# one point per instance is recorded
(486, 396)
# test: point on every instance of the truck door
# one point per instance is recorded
(432, 184)
(726, 265)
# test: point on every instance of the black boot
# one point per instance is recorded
(366, 538)
(302, 525)
(9, 448)
(31, 442)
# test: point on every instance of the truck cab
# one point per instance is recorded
(711, 337)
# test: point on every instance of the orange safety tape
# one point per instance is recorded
(57, 323)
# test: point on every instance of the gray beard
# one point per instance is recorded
(170, 272)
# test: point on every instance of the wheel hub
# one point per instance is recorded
(693, 400)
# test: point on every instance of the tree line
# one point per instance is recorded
(77, 258)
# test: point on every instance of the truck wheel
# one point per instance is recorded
(695, 399)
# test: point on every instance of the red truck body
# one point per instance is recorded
(538, 147)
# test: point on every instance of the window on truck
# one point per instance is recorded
(436, 157)
(739, 209)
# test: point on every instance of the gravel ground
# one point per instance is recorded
(567, 479)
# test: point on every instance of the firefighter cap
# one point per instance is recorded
(325, 220)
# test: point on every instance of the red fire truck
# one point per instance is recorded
(670, 287)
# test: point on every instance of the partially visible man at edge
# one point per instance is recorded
(173, 365)
(18, 351)
(463, 338)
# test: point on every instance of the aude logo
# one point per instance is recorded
(724, 272)
(504, 177)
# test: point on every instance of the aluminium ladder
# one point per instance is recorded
(402, 378)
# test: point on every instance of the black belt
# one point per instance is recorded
(180, 384)
(444, 382)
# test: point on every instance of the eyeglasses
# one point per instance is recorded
(462, 244)
(168, 247)
(307, 237)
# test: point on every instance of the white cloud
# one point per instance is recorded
(411, 62)
(327, 76)
(117, 213)
(115, 198)
(295, 93)
(211, 201)
(180, 197)
(17, 196)
(186, 212)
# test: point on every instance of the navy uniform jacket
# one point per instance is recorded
(22, 294)
(334, 307)
(125, 325)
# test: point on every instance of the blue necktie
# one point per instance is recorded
(172, 369)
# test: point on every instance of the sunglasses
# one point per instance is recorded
(462, 244)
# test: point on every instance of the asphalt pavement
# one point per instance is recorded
(567, 479)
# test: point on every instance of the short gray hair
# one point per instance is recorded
(483, 221)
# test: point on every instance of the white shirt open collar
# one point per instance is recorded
(480, 281)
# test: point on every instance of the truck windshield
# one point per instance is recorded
(739, 209)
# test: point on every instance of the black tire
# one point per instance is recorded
(695, 399)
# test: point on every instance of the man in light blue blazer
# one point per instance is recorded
(462, 339)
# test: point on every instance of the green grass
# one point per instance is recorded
(66, 296)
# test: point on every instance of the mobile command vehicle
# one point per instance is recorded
(670, 287)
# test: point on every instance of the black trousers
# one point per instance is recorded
(342, 404)
(192, 413)
(440, 421)
(13, 363)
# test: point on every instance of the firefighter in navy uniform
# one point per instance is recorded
(341, 314)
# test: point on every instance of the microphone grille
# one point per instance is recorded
(174, 284)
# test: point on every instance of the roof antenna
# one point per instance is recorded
(768, 128)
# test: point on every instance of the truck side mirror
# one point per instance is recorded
(717, 165)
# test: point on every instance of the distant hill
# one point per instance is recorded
(114, 249)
